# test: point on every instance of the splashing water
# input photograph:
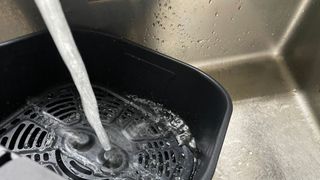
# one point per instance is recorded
(57, 25)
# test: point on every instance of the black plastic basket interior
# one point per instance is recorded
(31, 65)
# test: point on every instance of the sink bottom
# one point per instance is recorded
(273, 133)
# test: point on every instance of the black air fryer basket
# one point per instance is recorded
(31, 65)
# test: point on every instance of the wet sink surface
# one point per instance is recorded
(273, 133)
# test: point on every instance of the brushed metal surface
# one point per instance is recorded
(273, 133)
(265, 53)
(187, 30)
(18, 18)
(302, 55)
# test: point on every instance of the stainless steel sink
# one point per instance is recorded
(273, 133)
(265, 53)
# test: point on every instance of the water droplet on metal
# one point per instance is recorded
(200, 41)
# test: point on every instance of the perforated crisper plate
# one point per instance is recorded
(153, 142)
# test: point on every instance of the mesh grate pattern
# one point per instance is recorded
(149, 144)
